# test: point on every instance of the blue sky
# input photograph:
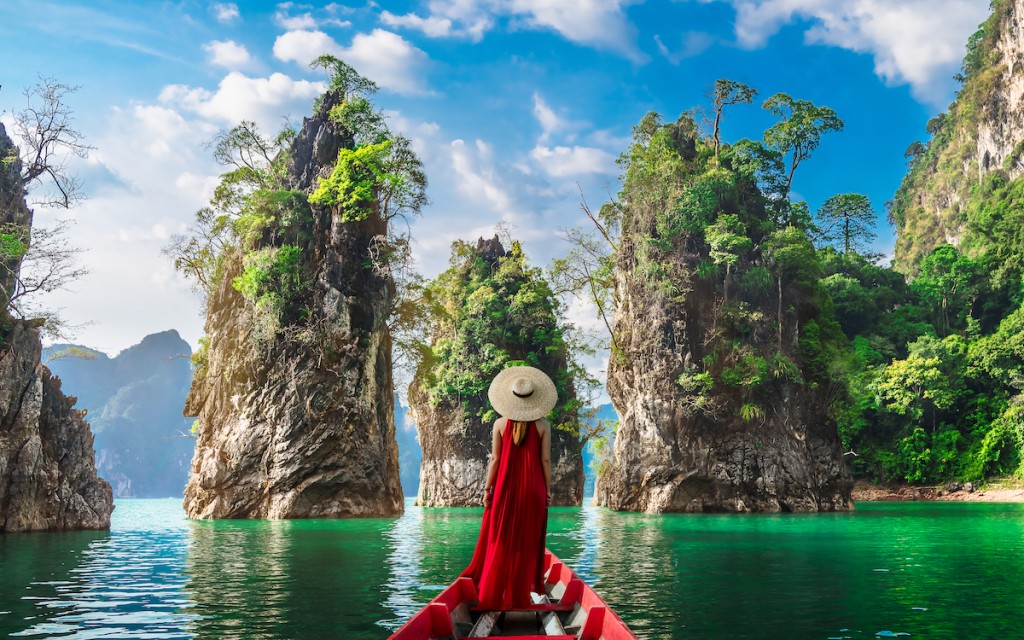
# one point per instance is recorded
(513, 105)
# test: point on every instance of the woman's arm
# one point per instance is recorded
(545, 457)
(492, 466)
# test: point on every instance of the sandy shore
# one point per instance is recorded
(995, 492)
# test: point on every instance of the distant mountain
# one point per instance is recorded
(134, 403)
(409, 451)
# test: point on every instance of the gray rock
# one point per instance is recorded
(303, 428)
(48, 478)
(684, 446)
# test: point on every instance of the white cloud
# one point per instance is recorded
(382, 56)
(201, 186)
(917, 42)
(432, 26)
(294, 23)
(596, 23)
(227, 53)
(305, 46)
(600, 24)
(225, 12)
(573, 161)
(157, 231)
(130, 289)
(477, 176)
(693, 44)
(549, 121)
(239, 97)
(389, 60)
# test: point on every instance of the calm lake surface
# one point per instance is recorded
(943, 570)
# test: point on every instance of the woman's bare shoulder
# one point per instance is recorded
(499, 424)
(544, 425)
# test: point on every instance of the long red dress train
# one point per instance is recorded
(509, 559)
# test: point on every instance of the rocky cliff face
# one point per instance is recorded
(982, 133)
(134, 403)
(497, 312)
(302, 427)
(722, 393)
(48, 475)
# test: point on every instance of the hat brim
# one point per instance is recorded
(536, 406)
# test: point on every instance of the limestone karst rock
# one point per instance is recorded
(722, 393)
(980, 138)
(303, 426)
(497, 311)
(48, 475)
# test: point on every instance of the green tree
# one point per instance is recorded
(800, 131)
(726, 93)
(727, 239)
(849, 219)
(949, 284)
(927, 382)
(794, 261)
(251, 198)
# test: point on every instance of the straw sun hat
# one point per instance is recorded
(523, 394)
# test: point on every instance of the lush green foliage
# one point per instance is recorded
(13, 242)
(489, 312)
(257, 217)
(847, 219)
(925, 378)
(936, 366)
(275, 279)
(352, 185)
(695, 212)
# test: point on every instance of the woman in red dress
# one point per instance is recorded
(509, 559)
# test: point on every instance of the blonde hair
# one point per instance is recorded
(519, 431)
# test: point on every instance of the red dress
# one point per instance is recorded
(509, 559)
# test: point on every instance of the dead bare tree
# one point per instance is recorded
(37, 260)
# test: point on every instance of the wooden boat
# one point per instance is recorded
(570, 610)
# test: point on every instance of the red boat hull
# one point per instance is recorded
(574, 612)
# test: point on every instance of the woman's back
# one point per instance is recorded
(509, 559)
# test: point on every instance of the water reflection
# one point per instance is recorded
(405, 539)
(935, 571)
(291, 579)
(238, 578)
(635, 567)
(91, 584)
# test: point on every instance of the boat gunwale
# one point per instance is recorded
(463, 591)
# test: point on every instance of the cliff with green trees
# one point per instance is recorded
(976, 147)
(937, 361)
(297, 253)
(488, 311)
(48, 478)
(724, 343)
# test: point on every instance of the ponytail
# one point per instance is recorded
(518, 431)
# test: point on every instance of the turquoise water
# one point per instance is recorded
(942, 570)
